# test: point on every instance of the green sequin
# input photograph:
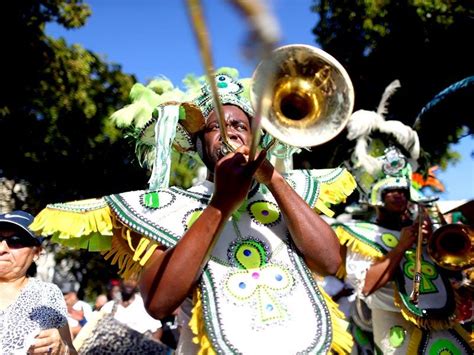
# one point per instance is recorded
(443, 347)
(360, 337)
(250, 255)
(265, 212)
(389, 240)
(397, 336)
(193, 217)
(151, 199)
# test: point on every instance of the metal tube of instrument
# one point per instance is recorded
(197, 19)
(264, 104)
(419, 244)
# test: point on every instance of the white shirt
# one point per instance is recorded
(78, 306)
(134, 315)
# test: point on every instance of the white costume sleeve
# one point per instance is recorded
(356, 268)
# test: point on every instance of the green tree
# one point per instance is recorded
(55, 135)
(424, 44)
(55, 132)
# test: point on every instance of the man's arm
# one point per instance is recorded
(170, 275)
(313, 237)
(382, 272)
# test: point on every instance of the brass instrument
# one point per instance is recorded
(308, 98)
(415, 293)
(302, 96)
(451, 246)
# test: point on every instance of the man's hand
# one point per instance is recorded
(232, 177)
(265, 171)
(409, 235)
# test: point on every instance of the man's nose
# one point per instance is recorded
(231, 133)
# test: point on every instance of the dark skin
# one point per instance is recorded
(171, 275)
(393, 216)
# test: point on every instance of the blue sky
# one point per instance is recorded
(149, 38)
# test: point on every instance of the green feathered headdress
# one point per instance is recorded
(162, 117)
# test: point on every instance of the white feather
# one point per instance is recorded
(405, 136)
(362, 122)
(364, 160)
(388, 92)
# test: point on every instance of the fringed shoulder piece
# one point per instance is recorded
(356, 242)
(335, 185)
(91, 225)
(84, 224)
(129, 250)
(424, 322)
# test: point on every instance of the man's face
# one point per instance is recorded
(238, 130)
(128, 288)
(71, 298)
(396, 200)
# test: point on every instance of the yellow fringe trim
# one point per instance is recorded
(341, 273)
(346, 238)
(196, 323)
(335, 192)
(468, 337)
(97, 230)
(420, 322)
(342, 340)
(129, 251)
(415, 339)
(80, 228)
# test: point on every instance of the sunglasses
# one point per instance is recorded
(18, 241)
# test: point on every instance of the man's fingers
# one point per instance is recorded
(243, 150)
(240, 158)
(255, 164)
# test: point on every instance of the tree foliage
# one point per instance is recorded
(54, 126)
(424, 44)
(55, 135)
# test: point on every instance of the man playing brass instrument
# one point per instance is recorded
(381, 253)
(236, 252)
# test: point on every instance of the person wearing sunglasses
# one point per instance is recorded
(32, 312)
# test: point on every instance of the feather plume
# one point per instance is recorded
(388, 92)
(144, 100)
(364, 160)
(405, 136)
(362, 123)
